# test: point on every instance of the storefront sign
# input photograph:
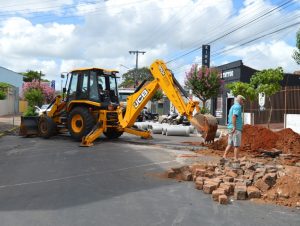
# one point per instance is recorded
(227, 74)
(206, 55)
(261, 101)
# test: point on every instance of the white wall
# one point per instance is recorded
(292, 121)
(7, 106)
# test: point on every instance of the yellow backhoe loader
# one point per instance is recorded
(90, 106)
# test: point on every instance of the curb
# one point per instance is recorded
(3, 133)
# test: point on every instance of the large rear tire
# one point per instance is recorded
(80, 122)
(47, 127)
(112, 133)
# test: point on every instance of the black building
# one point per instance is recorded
(285, 101)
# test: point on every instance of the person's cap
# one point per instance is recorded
(241, 97)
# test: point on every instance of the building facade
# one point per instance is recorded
(11, 104)
(283, 102)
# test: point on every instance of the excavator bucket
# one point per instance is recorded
(206, 124)
(29, 126)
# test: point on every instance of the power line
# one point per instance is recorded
(232, 31)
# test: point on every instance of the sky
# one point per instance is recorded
(61, 35)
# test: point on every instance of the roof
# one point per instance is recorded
(95, 68)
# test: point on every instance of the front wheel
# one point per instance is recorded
(80, 122)
(47, 127)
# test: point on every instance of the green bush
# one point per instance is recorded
(30, 111)
(2, 95)
(34, 97)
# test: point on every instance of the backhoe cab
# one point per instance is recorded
(91, 106)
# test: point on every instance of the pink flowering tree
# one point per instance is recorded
(205, 83)
(46, 91)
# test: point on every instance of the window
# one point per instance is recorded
(73, 86)
(84, 82)
(94, 95)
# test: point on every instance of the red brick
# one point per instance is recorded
(253, 192)
(223, 199)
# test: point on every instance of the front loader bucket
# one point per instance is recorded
(29, 126)
(207, 124)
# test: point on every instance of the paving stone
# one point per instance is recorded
(231, 173)
(228, 179)
(270, 179)
(171, 174)
(253, 192)
(216, 193)
(208, 188)
(200, 172)
(199, 184)
(223, 199)
(240, 192)
(261, 185)
(187, 176)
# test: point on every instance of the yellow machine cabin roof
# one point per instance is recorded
(105, 71)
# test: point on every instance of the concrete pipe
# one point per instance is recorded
(178, 131)
(164, 128)
(192, 129)
(156, 128)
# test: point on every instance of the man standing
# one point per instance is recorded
(235, 126)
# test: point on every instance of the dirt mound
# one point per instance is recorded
(285, 192)
(289, 141)
(258, 137)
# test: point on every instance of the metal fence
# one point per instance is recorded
(286, 101)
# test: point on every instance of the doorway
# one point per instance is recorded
(229, 103)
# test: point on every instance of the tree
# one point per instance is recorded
(47, 92)
(267, 81)
(158, 95)
(3, 89)
(244, 89)
(134, 76)
(31, 75)
(296, 54)
(205, 83)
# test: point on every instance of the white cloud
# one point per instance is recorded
(110, 29)
(22, 7)
(268, 55)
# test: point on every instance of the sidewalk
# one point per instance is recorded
(9, 122)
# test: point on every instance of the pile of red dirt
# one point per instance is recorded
(286, 191)
(258, 137)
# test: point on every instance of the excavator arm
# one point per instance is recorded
(164, 79)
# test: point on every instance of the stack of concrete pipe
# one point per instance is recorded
(165, 129)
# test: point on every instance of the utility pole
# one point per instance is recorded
(136, 53)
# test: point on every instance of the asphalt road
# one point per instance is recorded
(55, 182)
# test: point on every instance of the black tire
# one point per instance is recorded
(164, 120)
(80, 122)
(112, 133)
(47, 127)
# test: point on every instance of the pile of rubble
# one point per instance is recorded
(242, 180)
